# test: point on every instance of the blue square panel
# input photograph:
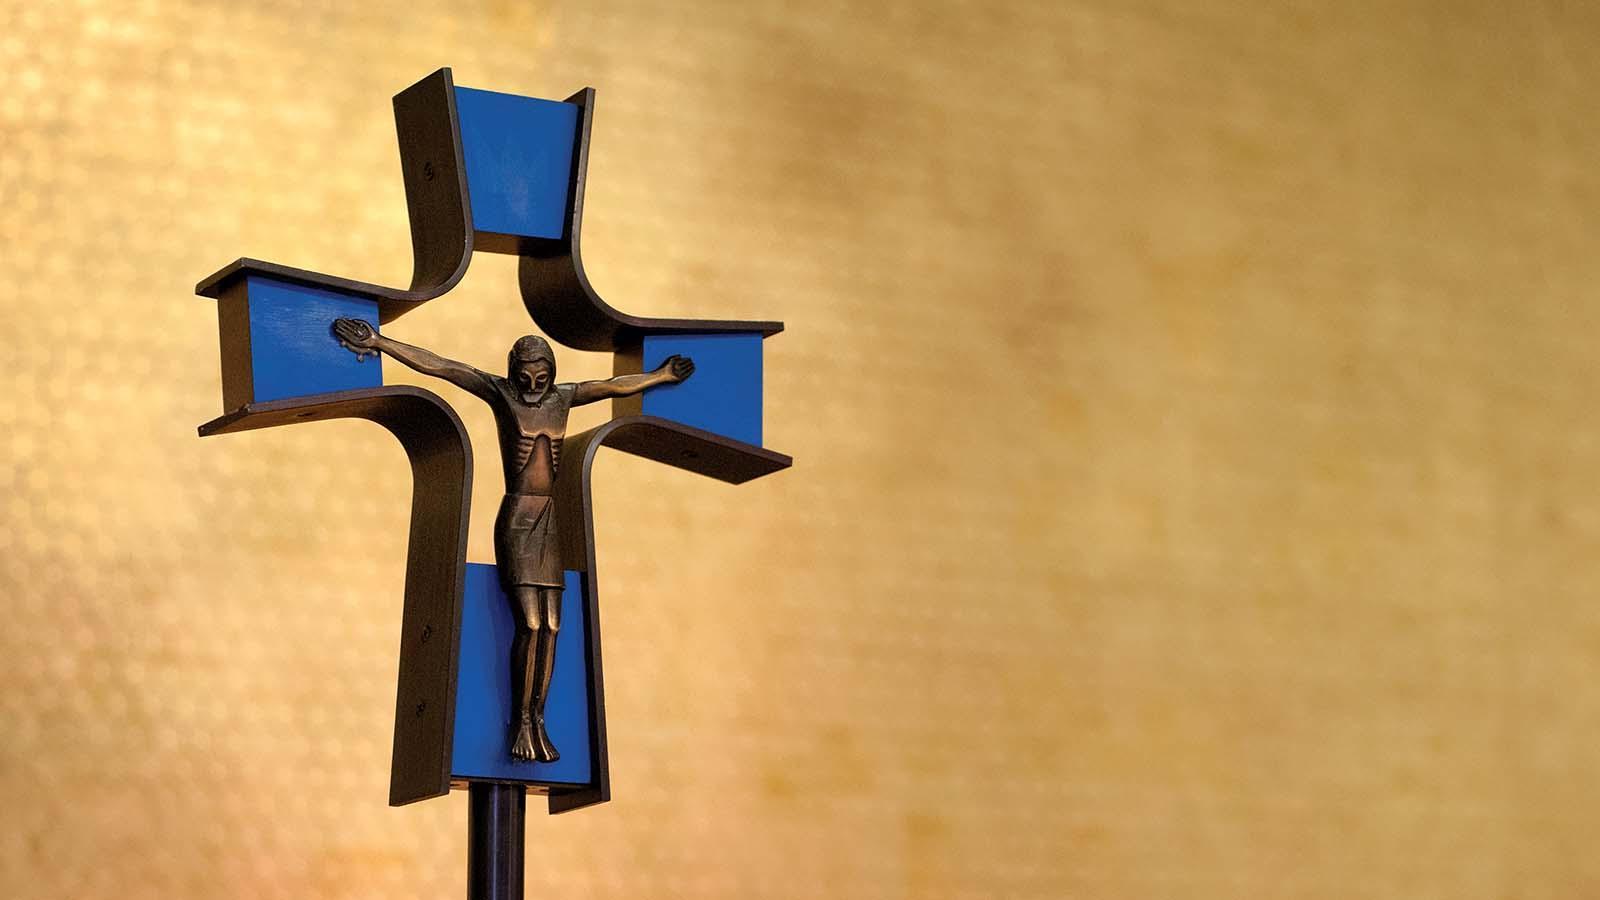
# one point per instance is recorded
(518, 152)
(483, 688)
(724, 393)
(292, 348)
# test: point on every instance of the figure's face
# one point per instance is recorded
(533, 378)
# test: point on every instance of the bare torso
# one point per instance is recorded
(527, 543)
(530, 436)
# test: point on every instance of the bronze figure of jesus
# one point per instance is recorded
(530, 414)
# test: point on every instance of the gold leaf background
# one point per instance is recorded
(1192, 403)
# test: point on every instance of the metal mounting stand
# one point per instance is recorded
(495, 845)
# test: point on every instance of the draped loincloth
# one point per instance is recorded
(527, 545)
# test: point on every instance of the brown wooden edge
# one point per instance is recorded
(436, 553)
(435, 177)
(556, 289)
(664, 441)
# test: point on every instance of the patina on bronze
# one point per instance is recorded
(530, 413)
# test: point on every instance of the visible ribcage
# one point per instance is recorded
(526, 444)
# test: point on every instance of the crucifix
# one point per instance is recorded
(500, 689)
(530, 413)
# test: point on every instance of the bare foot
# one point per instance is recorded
(547, 751)
(522, 745)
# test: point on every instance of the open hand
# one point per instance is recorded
(357, 336)
(677, 368)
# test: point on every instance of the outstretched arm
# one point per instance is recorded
(360, 338)
(673, 370)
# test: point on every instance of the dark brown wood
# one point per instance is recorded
(692, 449)
(664, 441)
(562, 302)
(233, 336)
(436, 198)
(430, 625)
(496, 840)
(557, 291)
(555, 288)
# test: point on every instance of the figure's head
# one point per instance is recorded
(532, 366)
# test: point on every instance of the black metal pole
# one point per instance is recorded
(495, 816)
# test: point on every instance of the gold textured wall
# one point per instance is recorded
(1196, 490)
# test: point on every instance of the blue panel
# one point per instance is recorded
(483, 688)
(518, 152)
(292, 348)
(724, 393)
